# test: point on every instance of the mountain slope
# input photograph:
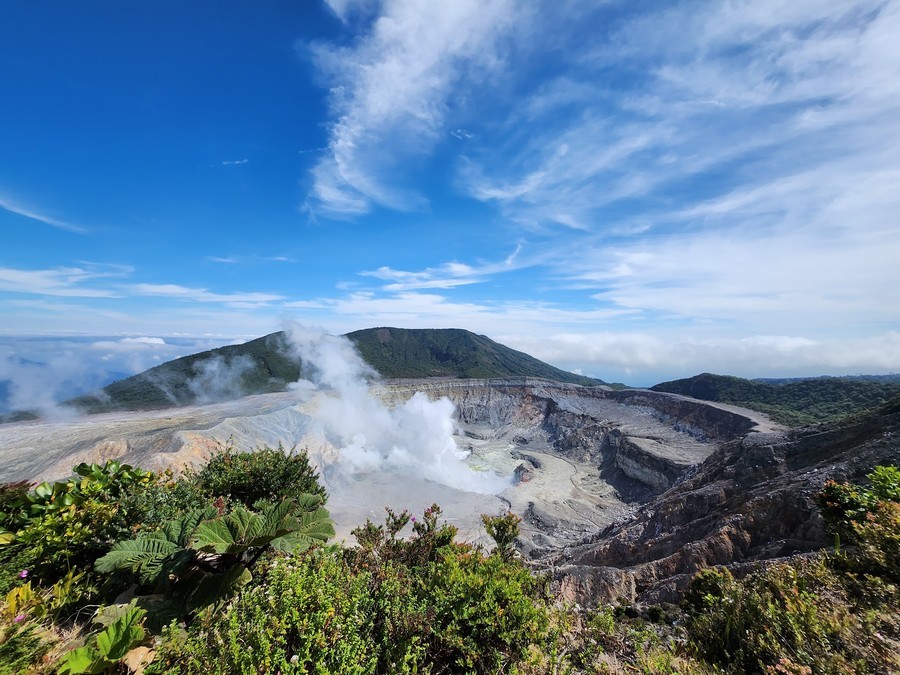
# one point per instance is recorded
(267, 364)
(450, 352)
(809, 401)
(258, 366)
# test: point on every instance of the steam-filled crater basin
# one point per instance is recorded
(568, 460)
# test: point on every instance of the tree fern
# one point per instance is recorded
(203, 557)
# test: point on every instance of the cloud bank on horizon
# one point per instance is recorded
(636, 191)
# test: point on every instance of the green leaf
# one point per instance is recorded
(83, 660)
(180, 531)
(309, 530)
(121, 635)
(84, 469)
(136, 554)
(43, 491)
(308, 502)
(213, 536)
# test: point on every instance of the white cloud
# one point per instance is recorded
(202, 294)
(235, 162)
(390, 94)
(647, 358)
(130, 343)
(13, 207)
(805, 84)
(237, 259)
(745, 175)
(60, 281)
(447, 275)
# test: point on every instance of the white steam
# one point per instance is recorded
(416, 437)
(37, 387)
(216, 379)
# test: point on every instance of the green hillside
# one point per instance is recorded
(815, 400)
(259, 366)
(450, 352)
(266, 365)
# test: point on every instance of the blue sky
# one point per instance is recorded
(634, 190)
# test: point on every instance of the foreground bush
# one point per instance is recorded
(64, 526)
(267, 474)
(419, 605)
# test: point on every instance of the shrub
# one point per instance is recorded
(23, 643)
(313, 615)
(869, 518)
(266, 474)
(67, 525)
(108, 648)
(204, 556)
(503, 530)
(795, 614)
(484, 612)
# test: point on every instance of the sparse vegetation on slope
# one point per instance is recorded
(450, 352)
(820, 400)
(832, 613)
(259, 366)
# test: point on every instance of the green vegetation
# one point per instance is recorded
(107, 648)
(224, 568)
(398, 352)
(265, 475)
(820, 400)
(392, 605)
(267, 364)
(239, 580)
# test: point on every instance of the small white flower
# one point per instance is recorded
(295, 660)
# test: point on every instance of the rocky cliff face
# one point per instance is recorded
(750, 501)
(639, 435)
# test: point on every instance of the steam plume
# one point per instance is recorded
(416, 437)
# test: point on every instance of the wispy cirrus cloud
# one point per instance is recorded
(175, 291)
(447, 275)
(235, 162)
(778, 89)
(61, 281)
(237, 259)
(346, 10)
(390, 94)
(13, 206)
(743, 173)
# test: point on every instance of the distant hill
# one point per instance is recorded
(799, 402)
(892, 378)
(266, 365)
